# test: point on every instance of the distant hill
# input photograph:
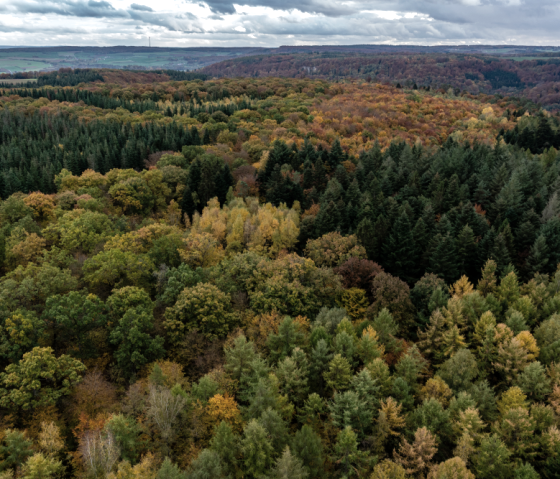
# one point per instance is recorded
(531, 73)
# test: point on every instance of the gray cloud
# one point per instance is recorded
(71, 8)
(141, 8)
(322, 21)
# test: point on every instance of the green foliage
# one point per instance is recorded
(15, 450)
(492, 459)
(135, 346)
(203, 308)
(39, 379)
(257, 449)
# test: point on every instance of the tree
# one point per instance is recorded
(168, 470)
(74, 316)
(386, 327)
(135, 346)
(127, 434)
(399, 250)
(203, 308)
(431, 415)
(416, 457)
(534, 382)
(307, 446)
(288, 337)
(163, 408)
(207, 465)
(289, 466)
(492, 461)
(201, 250)
(517, 431)
(16, 449)
(276, 428)
(547, 335)
(257, 449)
(526, 471)
(346, 454)
(358, 273)
(538, 256)
(339, 374)
(487, 283)
(333, 249)
(239, 357)
(459, 370)
(50, 440)
(39, 466)
(39, 379)
(392, 293)
(454, 467)
(226, 445)
(115, 269)
(388, 469)
(293, 379)
(349, 409)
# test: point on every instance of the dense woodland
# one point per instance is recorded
(536, 79)
(271, 278)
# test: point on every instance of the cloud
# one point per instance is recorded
(141, 8)
(68, 8)
(273, 23)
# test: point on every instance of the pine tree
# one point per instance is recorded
(289, 466)
(188, 206)
(336, 156)
(257, 449)
(538, 256)
(416, 457)
(207, 465)
(226, 445)
(399, 250)
(307, 446)
(339, 374)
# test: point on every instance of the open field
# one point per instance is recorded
(41, 59)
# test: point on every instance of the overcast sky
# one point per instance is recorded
(278, 22)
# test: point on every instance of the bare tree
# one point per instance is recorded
(99, 451)
(163, 409)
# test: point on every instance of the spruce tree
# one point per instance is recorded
(399, 250)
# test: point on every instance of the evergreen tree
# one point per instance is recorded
(307, 446)
(400, 250)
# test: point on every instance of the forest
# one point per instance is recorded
(535, 78)
(277, 278)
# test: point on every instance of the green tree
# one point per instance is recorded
(276, 428)
(346, 454)
(289, 466)
(399, 250)
(307, 446)
(339, 374)
(207, 465)
(168, 470)
(135, 346)
(459, 370)
(203, 308)
(15, 449)
(39, 379)
(257, 449)
(239, 357)
(74, 316)
(127, 434)
(40, 466)
(492, 461)
(116, 268)
(226, 445)
(283, 343)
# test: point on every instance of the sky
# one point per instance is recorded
(272, 23)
